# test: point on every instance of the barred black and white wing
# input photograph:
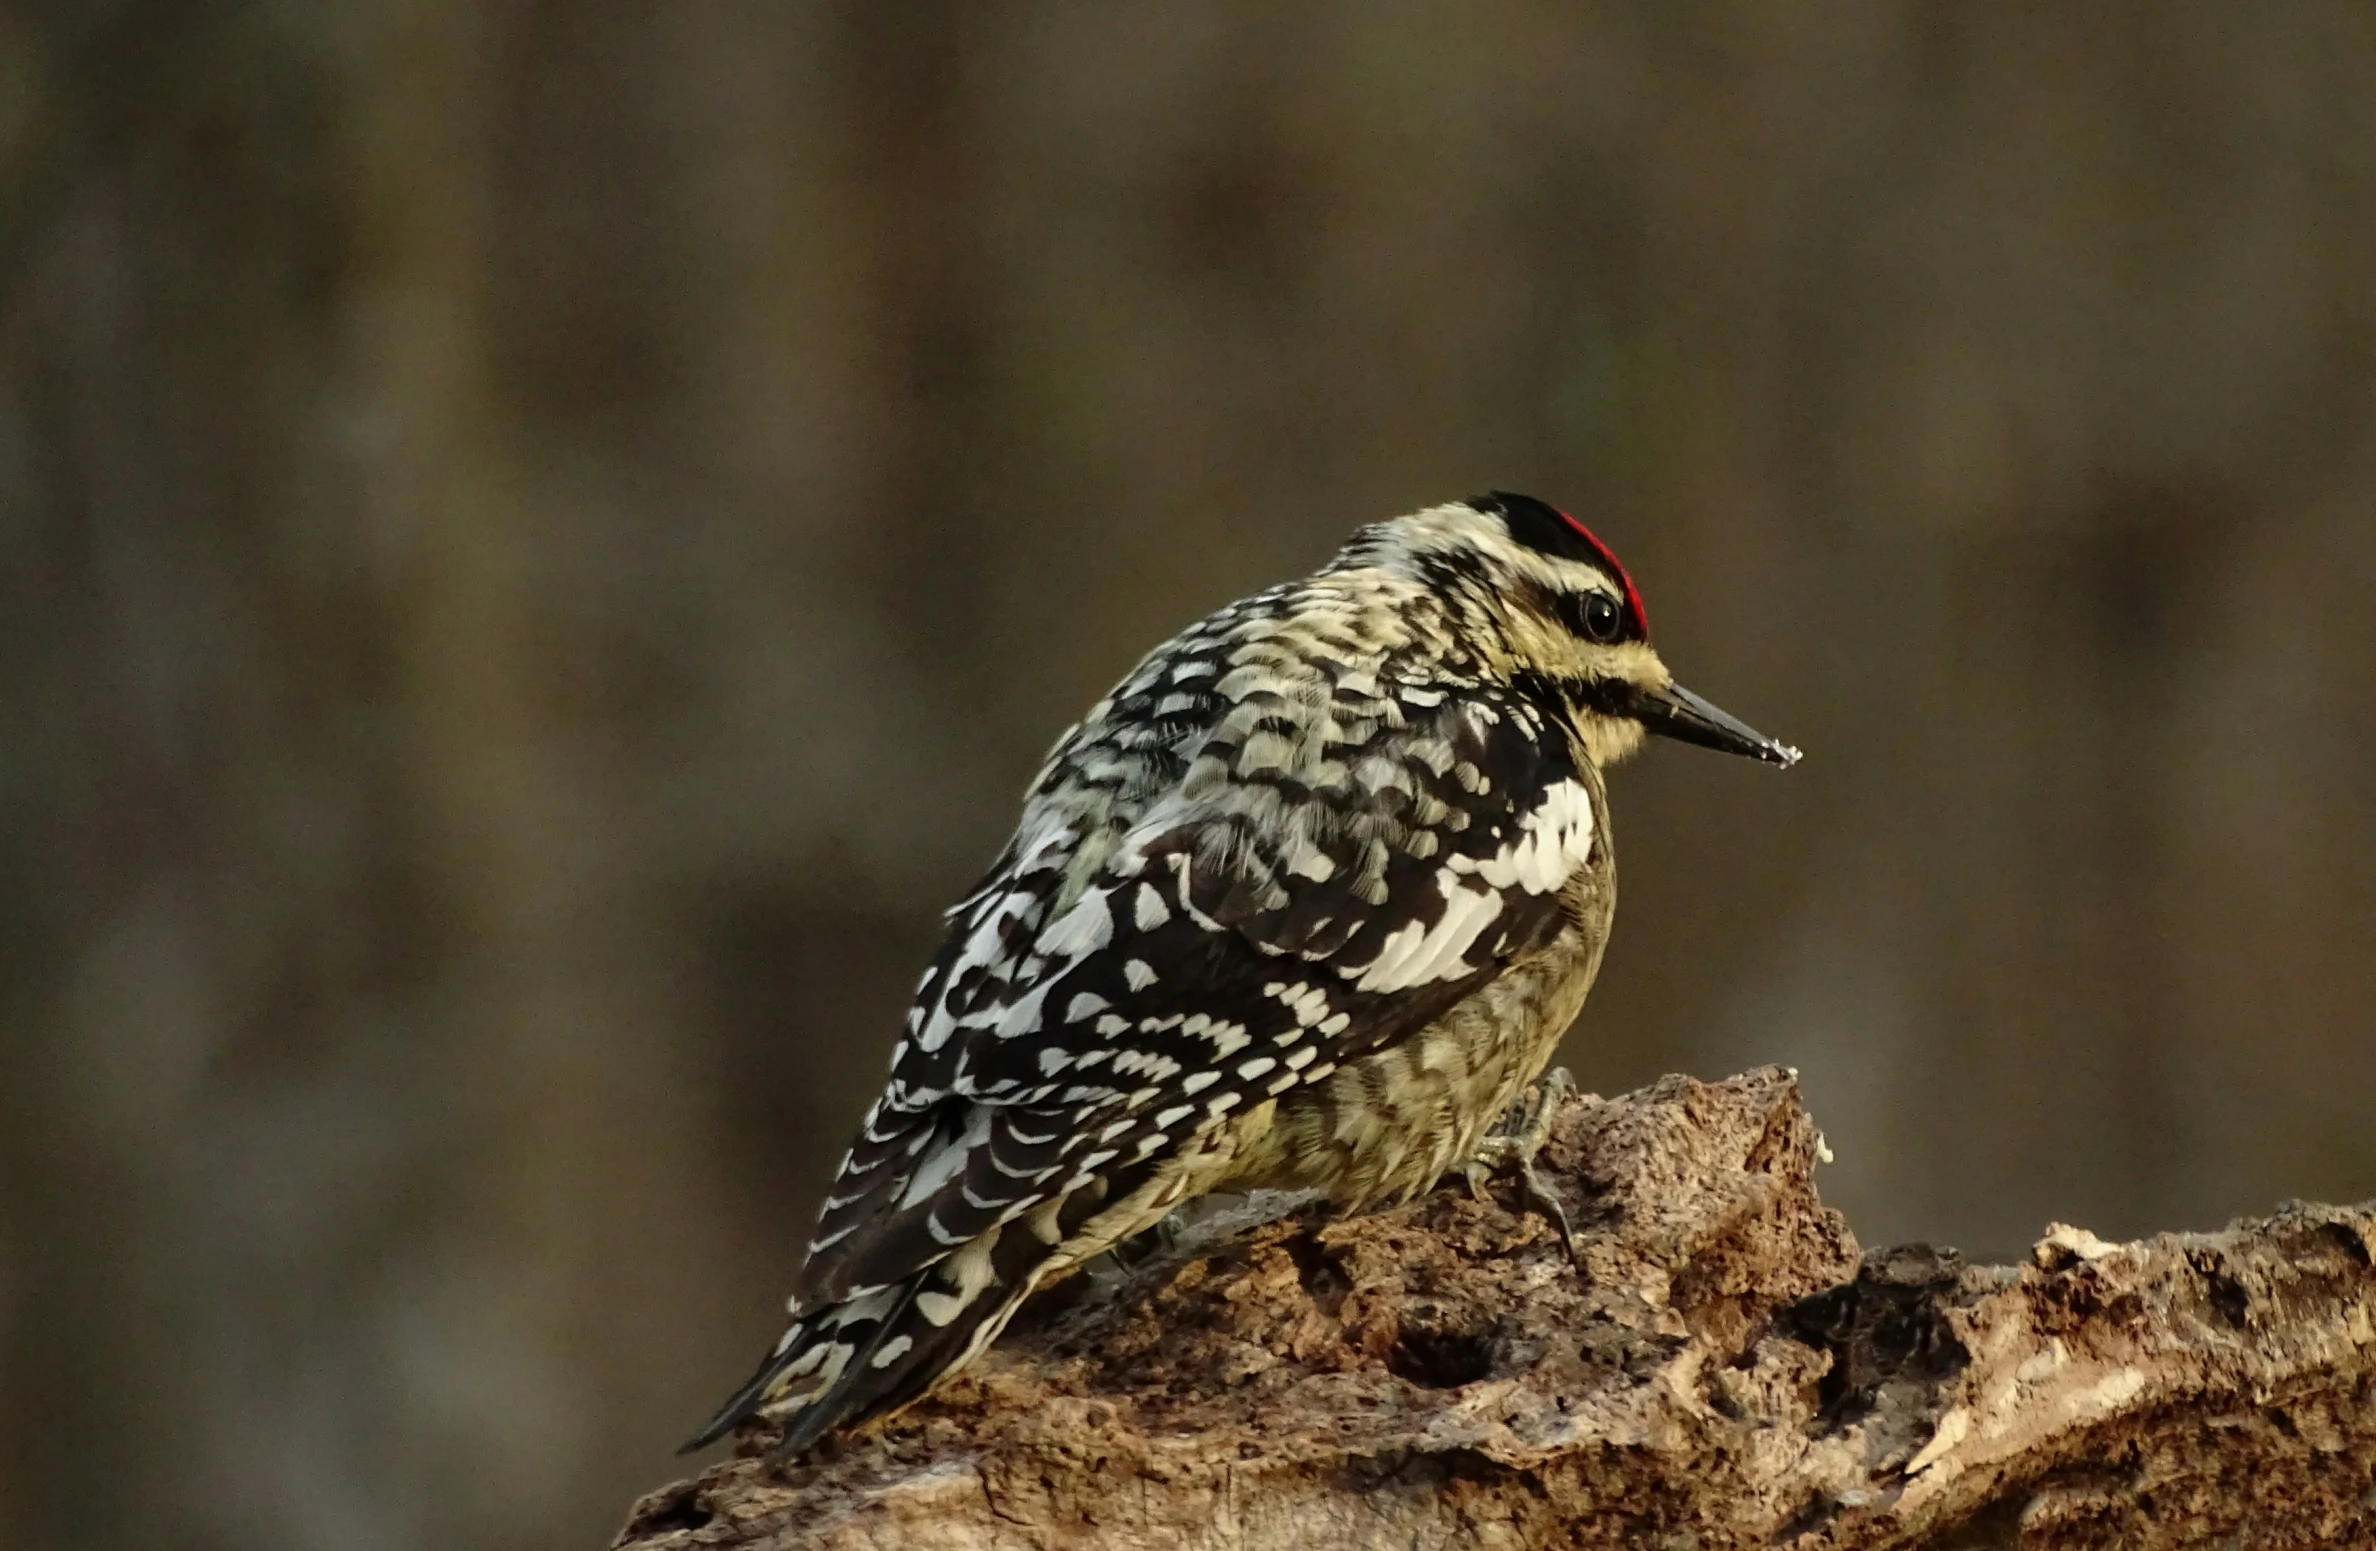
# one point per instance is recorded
(1262, 858)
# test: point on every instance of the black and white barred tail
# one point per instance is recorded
(886, 1347)
(872, 1350)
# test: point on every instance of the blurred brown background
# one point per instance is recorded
(539, 543)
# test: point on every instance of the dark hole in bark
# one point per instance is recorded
(2348, 1240)
(1442, 1354)
(680, 1509)
(1323, 1279)
(1881, 1326)
(2228, 1298)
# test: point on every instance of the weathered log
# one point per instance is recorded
(1722, 1370)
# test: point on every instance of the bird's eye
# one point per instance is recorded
(1603, 620)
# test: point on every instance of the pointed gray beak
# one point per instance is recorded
(1675, 712)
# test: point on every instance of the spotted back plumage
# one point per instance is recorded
(1294, 836)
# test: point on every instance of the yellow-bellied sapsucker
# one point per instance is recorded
(1306, 901)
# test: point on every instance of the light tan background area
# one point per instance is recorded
(540, 542)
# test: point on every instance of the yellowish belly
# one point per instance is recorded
(1386, 1127)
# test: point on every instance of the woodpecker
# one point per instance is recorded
(1305, 902)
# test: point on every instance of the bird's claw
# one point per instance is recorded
(1512, 1149)
(1141, 1247)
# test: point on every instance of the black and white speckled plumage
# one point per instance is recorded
(1304, 901)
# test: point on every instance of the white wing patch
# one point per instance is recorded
(1414, 954)
(1554, 839)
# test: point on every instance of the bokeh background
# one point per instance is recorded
(540, 541)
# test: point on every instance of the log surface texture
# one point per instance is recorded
(1724, 1369)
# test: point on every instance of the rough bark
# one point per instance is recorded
(1724, 1369)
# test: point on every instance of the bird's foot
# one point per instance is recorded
(1511, 1148)
(1147, 1243)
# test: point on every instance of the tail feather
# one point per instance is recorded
(745, 1402)
(887, 1345)
(884, 1349)
(903, 1358)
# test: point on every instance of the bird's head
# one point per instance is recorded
(1543, 598)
